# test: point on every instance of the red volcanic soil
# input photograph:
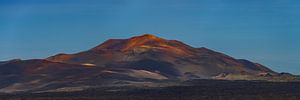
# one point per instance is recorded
(145, 41)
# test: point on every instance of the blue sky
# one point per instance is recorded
(264, 31)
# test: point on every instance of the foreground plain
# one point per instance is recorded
(190, 90)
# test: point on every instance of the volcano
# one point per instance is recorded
(170, 58)
(140, 60)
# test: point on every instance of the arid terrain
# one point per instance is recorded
(190, 90)
(144, 67)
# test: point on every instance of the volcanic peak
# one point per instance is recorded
(146, 40)
(148, 37)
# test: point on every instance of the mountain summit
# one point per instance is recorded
(137, 61)
(126, 44)
(146, 41)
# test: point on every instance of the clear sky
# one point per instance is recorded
(264, 31)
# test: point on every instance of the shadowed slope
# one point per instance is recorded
(43, 75)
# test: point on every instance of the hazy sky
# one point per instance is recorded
(264, 31)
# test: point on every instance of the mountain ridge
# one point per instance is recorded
(144, 60)
(153, 48)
